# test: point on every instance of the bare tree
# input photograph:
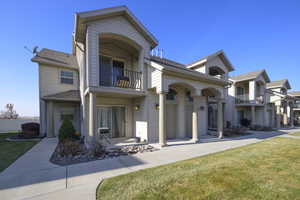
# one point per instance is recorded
(9, 113)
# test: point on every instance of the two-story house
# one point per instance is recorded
(247, 99)
(111, 81)
(282, 101)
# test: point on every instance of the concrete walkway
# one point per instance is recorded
(33, 177)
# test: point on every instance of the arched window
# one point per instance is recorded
(171, 95)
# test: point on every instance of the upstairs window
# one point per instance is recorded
(66, 77)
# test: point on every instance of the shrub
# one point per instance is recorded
(261, 128)
(66, 131)
(245, 122)
(235, 131)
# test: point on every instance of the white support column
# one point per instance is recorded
(92, 117)
(278, 116)
(252, 91)
(220, 119)
(195, 115)
(290, 114)
(253, 121)
(265, 115)
(50, 120)
(162, 119)
(181, 131)
(285, 116)
(141, 68)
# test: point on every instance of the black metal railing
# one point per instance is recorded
(120, 77)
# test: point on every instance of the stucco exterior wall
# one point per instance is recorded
(49, 80)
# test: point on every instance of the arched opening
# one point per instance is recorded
(212, 107)
(216, 72)
(119, 61)
(179, 107)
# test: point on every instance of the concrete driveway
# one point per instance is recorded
(32, 176)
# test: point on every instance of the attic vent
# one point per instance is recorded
(158, 52)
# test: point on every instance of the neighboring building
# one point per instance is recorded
(296, 107)
(283, 103)
(111, 81)
(247, 99)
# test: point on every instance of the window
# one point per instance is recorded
(66, 77)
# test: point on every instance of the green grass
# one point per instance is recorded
(295, 134)
(267, 170)
(10, 151)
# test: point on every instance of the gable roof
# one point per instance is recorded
(166, 61)
(169, 66)
(70, 95)
(294, 93)
(220, 54)
(82, 18)
(279, 83)
(250, 76)
(56, 58)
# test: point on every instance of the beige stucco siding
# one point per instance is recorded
(50, 80)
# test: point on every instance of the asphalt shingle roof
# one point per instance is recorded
(70, 95)
(247, 76)
(56, 58)
(279, 83)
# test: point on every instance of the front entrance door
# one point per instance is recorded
(112, 118)
(212, 113)
(171, 119)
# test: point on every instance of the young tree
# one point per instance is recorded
(9, 113)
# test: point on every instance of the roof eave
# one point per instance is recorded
(51, 63)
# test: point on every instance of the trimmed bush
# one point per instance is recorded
(245, 122)
(66, 131)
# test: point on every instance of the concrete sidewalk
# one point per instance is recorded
(33, 177)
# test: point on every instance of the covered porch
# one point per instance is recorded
(184, 115)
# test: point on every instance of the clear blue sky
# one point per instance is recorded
(253, 34)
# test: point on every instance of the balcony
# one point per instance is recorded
(121, 78)
(244, 99)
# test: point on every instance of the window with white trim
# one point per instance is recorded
(66, 77)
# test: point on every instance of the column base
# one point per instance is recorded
(195, 140)
(163, 145)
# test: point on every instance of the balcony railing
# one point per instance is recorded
(122, 78)
(244, 99)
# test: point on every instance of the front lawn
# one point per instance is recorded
(266, 170)
(10, 151)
